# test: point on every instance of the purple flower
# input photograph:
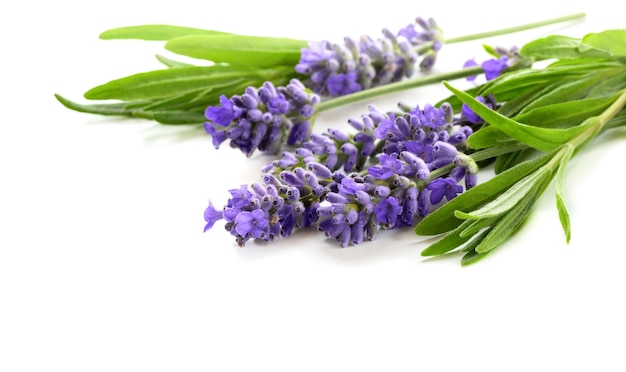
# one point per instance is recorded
(223, 114)
(211, 215)
(388, 210)
(251, 223)
(389, 165)
(342, 84)
(443, 187)
(470, 115)
(470, 63)
(494, 67)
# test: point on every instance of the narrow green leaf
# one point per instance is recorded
(611, 41)
(471, 257)
(239, 50)
(566, 114)
(561, 47)
(448, 243)
(523, 99)
(476, 226)
(179, 117)
(165, 83)
(154, 32)
(488, 137)
(571, 90)
(559, 186)
(512, 220)
(506, 161)
(176, 101)
(510, 84)
(507, 200)
(443, 219)
(609, 86)
(172, 63)
(101, 109)
(542, 139)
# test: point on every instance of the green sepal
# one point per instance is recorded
(154, 32)
(239, 50)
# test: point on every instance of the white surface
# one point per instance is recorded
(104, 266)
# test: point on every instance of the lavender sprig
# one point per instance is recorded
(317, 184)
(334, 69)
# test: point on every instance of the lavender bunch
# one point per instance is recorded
(181, 91)
(408, 161)
(335, 69)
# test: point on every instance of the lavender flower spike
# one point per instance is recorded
(263, 119)
(394, 154)
(338, 69)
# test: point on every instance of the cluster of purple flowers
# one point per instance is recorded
(263, 119)
(335, 69)
(353, 185)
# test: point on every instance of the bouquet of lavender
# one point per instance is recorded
(417, 166)
(411, 167)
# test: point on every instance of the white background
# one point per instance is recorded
(104, 265)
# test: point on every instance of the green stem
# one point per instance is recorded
(396, 87)
(514, 29)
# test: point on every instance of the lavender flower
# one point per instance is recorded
(264, 118)
(339, 69)
(469, 115)
(395, 154)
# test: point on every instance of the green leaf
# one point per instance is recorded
(165, 83)
(101, 109)
(443, 219)
(571, 90)
(488, 137)
(510, 84)
(565, 114)
(559, 187)
(448, 243)
(561, 47)
(154, 32)
(506, 161)
(477, 225)
(507, 200)
(239, 50)
(612, 42)
(179, 117)
(543, 139)
(472, 257)
(513, 219)
(490, 50)
(171, 63)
